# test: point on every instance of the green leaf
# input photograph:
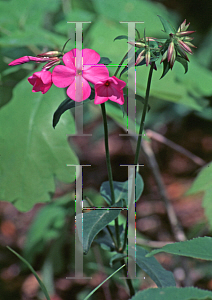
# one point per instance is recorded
(93, 222)
(166, 68)
(121, 189)
(198, 248)
(203, 180)
(104, 238)
(183, 62)
(166, 25)
(105, 61)
(117, 257)
(93, 291)
(167, 293)
(121, 37)
(202, 183)
(152, 267)
(42, 286)
(33, 154)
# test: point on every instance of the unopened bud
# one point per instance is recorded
(50, 54)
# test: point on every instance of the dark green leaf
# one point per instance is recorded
(104, 237)
(152, 267)
(105, 61)
(64, 106)
(121, 37)
(167, 293)
(183, 62)
(166, 68)
(117, 257)
(93, 222)
(198, 248)
(121, 189)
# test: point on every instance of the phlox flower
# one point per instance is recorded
(110, 88)
(41, 81)
(80, 67)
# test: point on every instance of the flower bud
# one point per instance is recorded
(50, 54)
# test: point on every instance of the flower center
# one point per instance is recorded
(107, 83)
(79, 72)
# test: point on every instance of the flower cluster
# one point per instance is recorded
(178, 43)
(80, 67)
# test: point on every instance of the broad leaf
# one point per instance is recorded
(121, 189)
(33, 154)
(167, 293)
(198, 248)
(93, 222)
(202, 183)
(152, 267)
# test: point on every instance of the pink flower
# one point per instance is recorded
(41, 81)
(25, 59)
(110, 88)
(80, 67)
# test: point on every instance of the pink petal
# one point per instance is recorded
(100, 100)
(86, 90)
(63, 76)
(69, 58)
(121, 83)
(46, 77)
(95, 74)
(90, 57)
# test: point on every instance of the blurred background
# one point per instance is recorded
(37, 189)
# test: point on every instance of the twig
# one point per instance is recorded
(160, 138)
(151, 244)
(176, 228)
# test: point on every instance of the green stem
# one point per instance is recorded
(128, 280)
(109, 169)
(138, 147)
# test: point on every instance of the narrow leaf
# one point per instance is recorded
(198, 248)
(167, 293)
(121, 37)
(152, 267)
(64, 106)
(166, 25)
(166, 68)
(42, 286)
(183, 62)
(91, 293)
